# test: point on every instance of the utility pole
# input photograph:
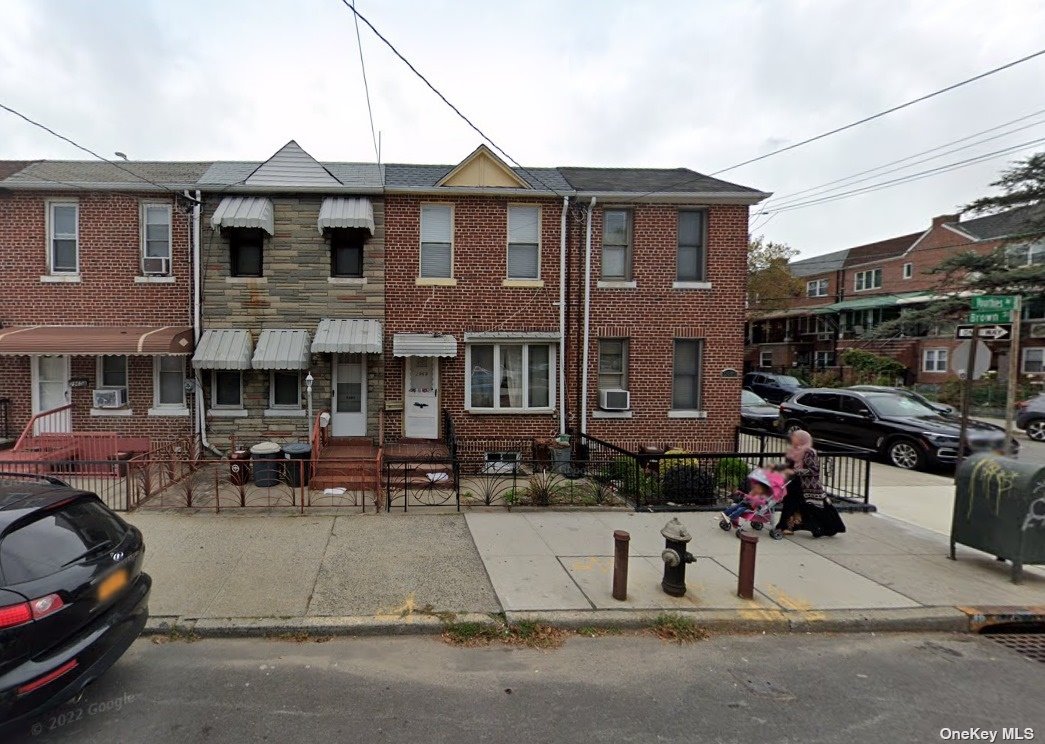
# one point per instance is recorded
(1014, 371)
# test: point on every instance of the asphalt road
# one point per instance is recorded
(799, 688)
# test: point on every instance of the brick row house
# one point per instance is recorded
(522, 302)
(847, 293)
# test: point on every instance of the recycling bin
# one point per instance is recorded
(298, 457)
(999, 508)
(266, 459)
(239, 467)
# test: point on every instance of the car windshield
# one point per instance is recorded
(747, 398)
(891, 404)
(788, 381)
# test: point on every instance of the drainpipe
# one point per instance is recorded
(562, 315)
(197, 323)
(587, 319)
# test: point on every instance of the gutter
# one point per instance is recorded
(562, 315)
(679, 197)
(197, 320)
(587, 319)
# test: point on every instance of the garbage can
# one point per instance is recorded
(239, 467)
(560, 456)
(295, 452)
(265, 457)
(999, 508)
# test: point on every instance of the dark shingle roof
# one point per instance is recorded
(10, 167)
(411, 176)
(97, 174)
(644, 180)
(819, 264)
(890, 248)
(1009, 223)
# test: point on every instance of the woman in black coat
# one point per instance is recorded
(806, 505)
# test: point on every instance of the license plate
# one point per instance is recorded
(112, 584)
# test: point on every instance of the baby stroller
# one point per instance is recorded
(758, 511)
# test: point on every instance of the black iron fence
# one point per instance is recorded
(5, 418)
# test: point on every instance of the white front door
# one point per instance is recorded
(51, 390)
(421, 409)
(348, 407)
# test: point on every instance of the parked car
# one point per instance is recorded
(905, 432)
(756, 412)
(942, 408)
(1030, 416)
(73, 596)
(774, 388)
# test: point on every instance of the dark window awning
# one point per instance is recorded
(223, 349)
(423, 345)
(337, 211)
(244, 211)
(282, 349)
(96, 340)
(347, 336)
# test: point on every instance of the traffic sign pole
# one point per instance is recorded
(970, 368)
(1014, 371)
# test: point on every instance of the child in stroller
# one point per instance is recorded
(766, 489)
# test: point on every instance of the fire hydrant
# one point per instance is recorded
(675, 557)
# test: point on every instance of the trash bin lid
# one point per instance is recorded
(265, 448)
(297, 448)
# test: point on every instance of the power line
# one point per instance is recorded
(851, 125)
(366, 88)
(445, 100)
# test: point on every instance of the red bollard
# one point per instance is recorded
(620, 564)
(746, 574)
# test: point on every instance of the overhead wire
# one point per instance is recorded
(366, 88)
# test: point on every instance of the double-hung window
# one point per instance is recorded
(346, 252)
(690, 261)
(870, 279)
(1034, 360)
(685, 389)
(112, 372)
(437, 221)
(765, 359)
(1026, 254)
(908, 270)
(510, 377)
(169, 382)
(524, 243)
(817, 288)
(284, 389)
(246, 252)
(934, 360)
(226, 389)
(616, 245)
(63, 222)
(156, 239)
(613, 364)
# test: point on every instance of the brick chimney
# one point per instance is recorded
(937, 221)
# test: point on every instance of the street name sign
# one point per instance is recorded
(996, 332)
(994, 302)
(980, 317)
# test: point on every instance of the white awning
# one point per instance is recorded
(337, 336)
(282, 349)
(244, 211)
(423, 345)
(223, 349)
(339, 211)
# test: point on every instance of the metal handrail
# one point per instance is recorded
(27, 432)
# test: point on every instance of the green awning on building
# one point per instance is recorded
(868, 303)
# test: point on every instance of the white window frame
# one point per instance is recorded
(702, 247)
(625, 351)
(157, 406)
(817, 288)
(908, 270)
(860, 283)
(143, 221)
(508, 238)
(420, 239)
(100, 372)
(827, 358)
(762, 359)
(1033, 249)
(701, 358)
(552, 369)
(272, 390)
(629, 247)
(1039, 350)
(214, 390)
(933, 357)
(50, 205)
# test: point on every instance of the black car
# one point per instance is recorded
(774, 388)
(941, 408)
(905, 432)
(73, 596)
(756, 413)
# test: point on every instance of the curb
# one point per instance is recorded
(263, 627)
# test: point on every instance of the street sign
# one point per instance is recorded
(994, 302)
(960, 359)
(996, 332)
(989, 316)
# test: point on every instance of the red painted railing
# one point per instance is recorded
(54, 421)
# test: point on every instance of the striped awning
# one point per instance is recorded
(282, 349)
(96, 340)
(337, 336)
(338, 211)
(223, 349)
(244, 211)
(423, 345)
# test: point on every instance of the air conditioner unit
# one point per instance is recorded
(1037, 330)
(614, 400)
(110, 398)
(156, 266)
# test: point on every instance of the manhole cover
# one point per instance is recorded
(1030, 645)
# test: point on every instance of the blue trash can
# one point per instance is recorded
(298, 462)
(266, 458)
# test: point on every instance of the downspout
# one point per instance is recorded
(587, 319)
(562, 315)
(197, 322)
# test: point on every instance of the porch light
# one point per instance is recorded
(309, 379)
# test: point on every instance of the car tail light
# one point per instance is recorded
(44, 606)
(17, 614)
(51, 676)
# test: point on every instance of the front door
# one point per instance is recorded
(348, 407)
(51, 390)
(421, 410)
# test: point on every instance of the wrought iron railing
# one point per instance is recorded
(5, 418)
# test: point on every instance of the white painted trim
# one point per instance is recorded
(99, 380)
(152, 279)
(600, 414)
(956, 228)
(142, 224)
(49, 206)
(513, 281)
(169, 411)
(60, 279)
(156, 405)
(103, 412)
(510, 411)
(214, 390)
(350, 280)
(272, 391)
(674, 414)
(614, 284)
(364, 393)
(904, 274)
(691, 285)
(227, 413)
(553, 360)
(34, 374)
(868, 271)
(428, 280)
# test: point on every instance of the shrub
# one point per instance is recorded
(688, 484)
(871, 367)
(730, 473)
(825, 379)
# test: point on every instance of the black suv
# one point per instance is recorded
(774, 388)
(907, 433)
(73, 596)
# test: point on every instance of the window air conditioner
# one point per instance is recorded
(156, 266)
(614, 400)
(110, 398)
(1037, 330)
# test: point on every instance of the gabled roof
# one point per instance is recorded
(409, 176)
(483, 169)
(1012, 222)
(819, 264)
(656, 180)
(883, 249)
(292, 168)
(352, 177)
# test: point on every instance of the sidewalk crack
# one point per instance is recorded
(319, 568)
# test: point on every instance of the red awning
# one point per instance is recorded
(96, 340)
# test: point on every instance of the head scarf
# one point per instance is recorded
(801, 442)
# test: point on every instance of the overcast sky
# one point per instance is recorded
(697, 84)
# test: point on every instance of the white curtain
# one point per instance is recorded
(511, 377)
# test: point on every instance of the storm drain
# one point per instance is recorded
(1029, 645)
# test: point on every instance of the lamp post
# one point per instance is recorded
(309, 379)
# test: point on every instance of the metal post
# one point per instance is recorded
(1014, 371)
(620, 564)
(309, 379)
(970, 368)
(746, 574)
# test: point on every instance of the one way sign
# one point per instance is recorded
(996, 332)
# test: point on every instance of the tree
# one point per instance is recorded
(770, 283)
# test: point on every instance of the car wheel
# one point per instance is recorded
(790, 427)
(903, 453)
(1036, 430)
